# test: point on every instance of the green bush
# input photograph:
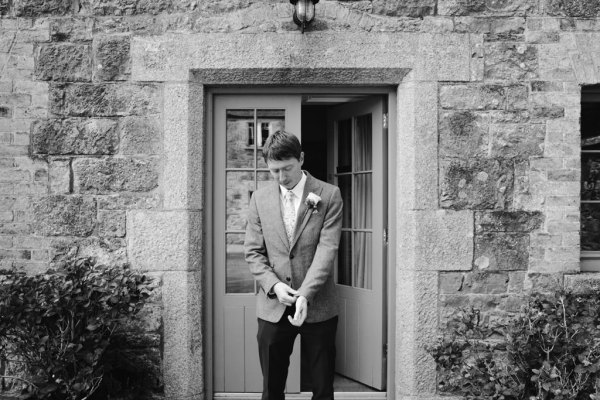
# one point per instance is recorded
(60, 323)
(550, 350)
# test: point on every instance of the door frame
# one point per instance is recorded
(390, 89)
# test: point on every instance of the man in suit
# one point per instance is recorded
(292, 236)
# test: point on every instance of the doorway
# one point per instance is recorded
(344, 140)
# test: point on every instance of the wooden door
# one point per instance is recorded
(357, 161)
(241, 125)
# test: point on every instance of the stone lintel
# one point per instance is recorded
(299, 76)
(164, 240)
(435, 240)
(182, 322)
(172, 57)
(416, 328)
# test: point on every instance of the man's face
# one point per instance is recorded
(287, 172)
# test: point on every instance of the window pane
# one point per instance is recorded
(590, 227)
(590, 122)
(363, 202)
(345, 259)
(344, 131)
(345, 185)
(239, 279)
(263, 179)
(362, 150)
(590, 176)
(241, 137)
(267, 122)
(362, 260)
(240, 186)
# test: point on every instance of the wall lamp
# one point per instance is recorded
(304, 12)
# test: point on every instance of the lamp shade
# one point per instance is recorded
(304, 12)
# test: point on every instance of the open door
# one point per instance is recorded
(357, 162)
(348, 131)
(241, 125)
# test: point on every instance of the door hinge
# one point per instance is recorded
(385, 236)
(385, 120)
(385, 350)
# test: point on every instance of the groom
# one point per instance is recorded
(292, 236)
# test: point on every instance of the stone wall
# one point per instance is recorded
(95, 95)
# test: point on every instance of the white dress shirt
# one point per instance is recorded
(298, 192)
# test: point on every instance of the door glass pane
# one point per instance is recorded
(263, 179)
(362, 260)
(363, 201)
(345, 259)
(590, 176)
(345, 185)
(590, 227)
(241, 138)
(238, 277)
(267, 123)
(344, 132)
(240, 186)
(362, 150)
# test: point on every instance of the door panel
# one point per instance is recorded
(241, 125)
(357, 163)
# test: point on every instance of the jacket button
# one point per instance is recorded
(291, 256)
(288, 279)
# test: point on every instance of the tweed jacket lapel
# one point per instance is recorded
(304, 212)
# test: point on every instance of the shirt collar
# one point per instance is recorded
(298, 189)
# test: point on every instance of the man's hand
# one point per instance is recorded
(301, 311)
(285, 294)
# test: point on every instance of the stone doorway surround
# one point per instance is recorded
(188, 65)
(428, 239)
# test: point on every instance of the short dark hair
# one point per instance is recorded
(281, 145)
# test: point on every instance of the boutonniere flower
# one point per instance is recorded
(312, 200)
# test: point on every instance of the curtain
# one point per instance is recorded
(363, 203)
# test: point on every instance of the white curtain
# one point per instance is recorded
(363, 203)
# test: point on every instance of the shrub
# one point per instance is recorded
(550, 350)
(60, 323)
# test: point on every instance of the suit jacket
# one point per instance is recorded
(307, 263)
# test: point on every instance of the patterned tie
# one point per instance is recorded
(289, 215)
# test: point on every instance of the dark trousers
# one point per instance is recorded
(275, 345)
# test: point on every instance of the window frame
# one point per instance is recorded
(589, 260)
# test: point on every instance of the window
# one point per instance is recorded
(590, 178)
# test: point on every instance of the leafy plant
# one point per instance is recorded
(550, 350)
(58, 324)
